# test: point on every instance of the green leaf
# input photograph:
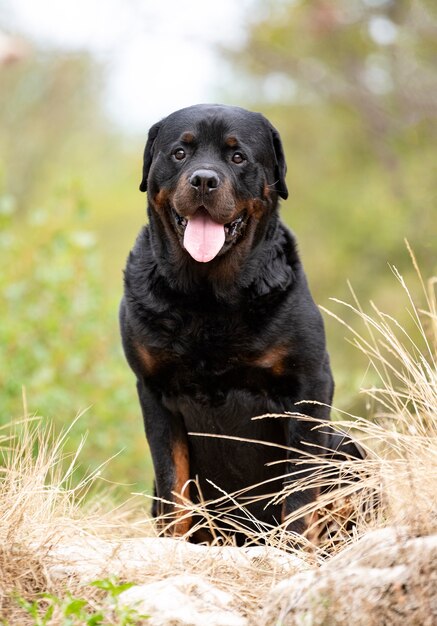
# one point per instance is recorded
(75, 607)
(112, 586)
(95, 620)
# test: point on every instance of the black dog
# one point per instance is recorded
(218, 323)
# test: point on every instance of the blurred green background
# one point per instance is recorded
(352, 87)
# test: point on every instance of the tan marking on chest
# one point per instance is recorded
(147, 359)
(274, 359)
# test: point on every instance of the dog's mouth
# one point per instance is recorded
(203, 238)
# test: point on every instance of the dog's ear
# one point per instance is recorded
(280, 166)
(148, 154)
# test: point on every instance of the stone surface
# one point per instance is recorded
(384, 578)
(183, 600)
(89, 558)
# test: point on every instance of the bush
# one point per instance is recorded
(59, 334)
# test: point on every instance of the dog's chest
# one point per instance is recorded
(202, 340)
(195, 348)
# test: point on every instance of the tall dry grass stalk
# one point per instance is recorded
(401, 438)
(42, 505)
(39, 493)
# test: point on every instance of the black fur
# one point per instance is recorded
(215, 344)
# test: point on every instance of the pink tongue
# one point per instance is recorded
(203, 238)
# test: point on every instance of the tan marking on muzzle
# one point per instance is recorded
(161, 199)
(220, 203)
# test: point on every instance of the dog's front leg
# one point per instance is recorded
(169, 448)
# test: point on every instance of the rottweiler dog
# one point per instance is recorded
(219, 326)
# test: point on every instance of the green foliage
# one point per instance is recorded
(54, 134)
(125, 616)
(65, 178)
(77, 611)
(59, 334)
(33, 610)
(52, 102)
(112, 586)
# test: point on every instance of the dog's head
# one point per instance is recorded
(213, 175)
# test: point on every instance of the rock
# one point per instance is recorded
(383, 578)
(384, 547)
(183, 600)
(89, 558)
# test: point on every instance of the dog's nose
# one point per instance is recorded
(204, 180)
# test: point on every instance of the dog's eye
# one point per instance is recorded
(179, 154)
(238, 158)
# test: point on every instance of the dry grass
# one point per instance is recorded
(40, 506)
(401, 440)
